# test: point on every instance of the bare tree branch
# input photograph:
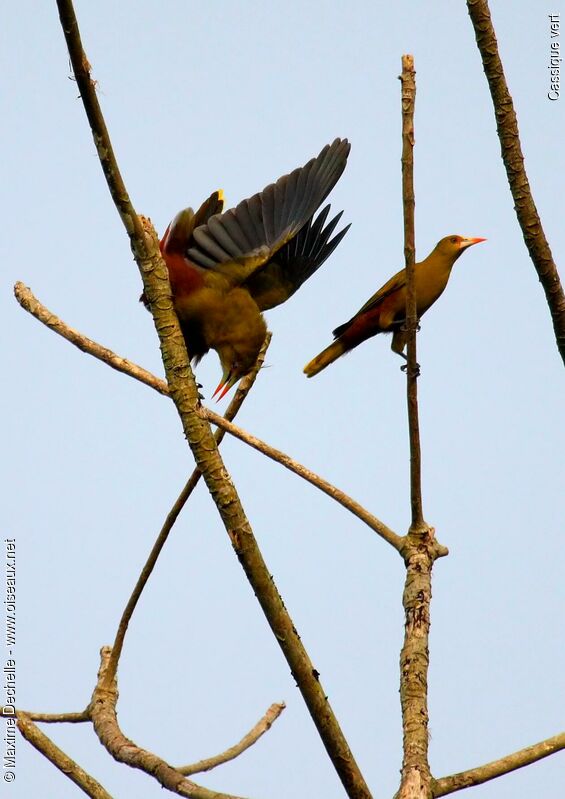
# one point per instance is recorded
(233, 408)
(184, 393)
(87, 88)
(63, 762)
(476, 776)
(133, 370)
(53, 718)
(408, 79)
(263, 725)
(508, 133)
(122, 749)
(419, 549)
(31, 304)
(414, 664)
(335, 493)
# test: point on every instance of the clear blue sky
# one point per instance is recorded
(200, 96)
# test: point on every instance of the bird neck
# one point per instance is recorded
(432, 275)
(439, 262)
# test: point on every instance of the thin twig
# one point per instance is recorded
(263, 725)
(54, 718)
(184, 393)
(497, 768)
(335, 493)
(512, 156)
(63, 762)
(173, 514)
(122, 749)
(31, 304)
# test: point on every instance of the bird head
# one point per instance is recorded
(453, 246)
(237, 359)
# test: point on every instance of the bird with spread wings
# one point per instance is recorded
(226, 268)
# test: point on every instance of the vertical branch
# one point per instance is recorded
(419, 551)
(414, 663)
(87, 88)
(408, 79)
(513, 158)
(184, 394)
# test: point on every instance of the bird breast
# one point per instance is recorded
(431, 280)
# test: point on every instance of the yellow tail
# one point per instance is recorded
(327, 356)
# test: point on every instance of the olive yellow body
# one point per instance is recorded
(385, 311)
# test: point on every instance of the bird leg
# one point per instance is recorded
(404, 367)
(399, 342)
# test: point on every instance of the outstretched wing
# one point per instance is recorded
(295, 262)
(178, 235)
(241, 240)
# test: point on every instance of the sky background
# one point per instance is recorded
(233, 95)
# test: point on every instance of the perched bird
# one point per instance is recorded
(226, 268)
(385, 312)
